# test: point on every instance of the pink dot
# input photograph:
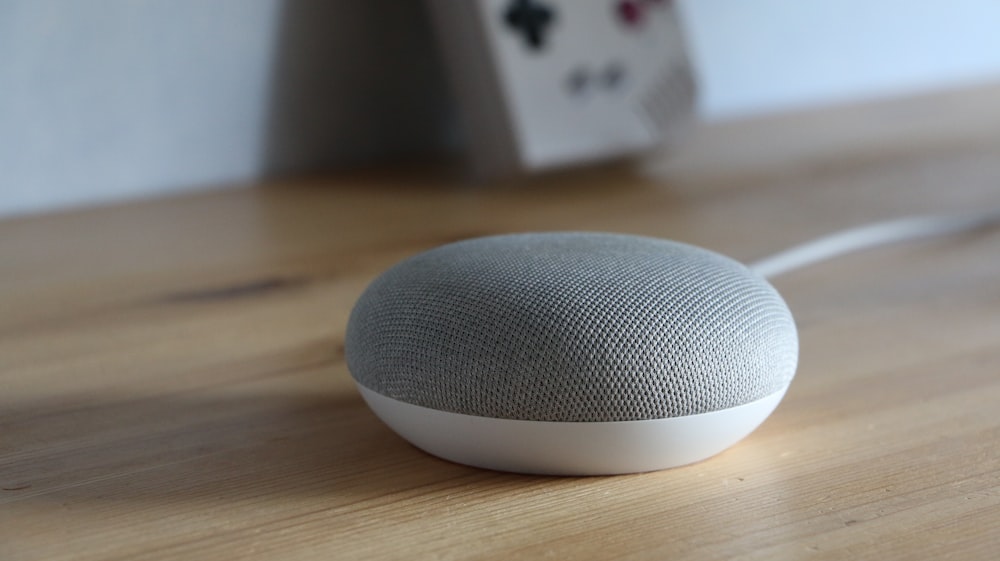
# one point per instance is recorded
(630, 12)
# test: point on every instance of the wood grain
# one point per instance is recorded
(173, 382)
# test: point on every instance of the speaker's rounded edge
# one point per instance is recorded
(571, 448)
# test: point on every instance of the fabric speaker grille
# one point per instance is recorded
(582, 327)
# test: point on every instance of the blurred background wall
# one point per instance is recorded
(104, 100)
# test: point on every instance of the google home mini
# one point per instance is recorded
(571, 353)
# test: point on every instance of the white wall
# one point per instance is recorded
(103, 100)
(108, 99)
(759, 56)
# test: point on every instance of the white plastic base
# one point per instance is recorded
(557, 448)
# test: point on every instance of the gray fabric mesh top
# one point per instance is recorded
(572, 327)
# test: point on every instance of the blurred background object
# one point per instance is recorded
(115, 99)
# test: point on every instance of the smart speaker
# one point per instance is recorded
(571, 353)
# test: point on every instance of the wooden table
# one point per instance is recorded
(173, 382)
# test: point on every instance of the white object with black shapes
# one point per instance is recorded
(547, 83)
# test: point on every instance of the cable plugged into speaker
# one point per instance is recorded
(587, 353)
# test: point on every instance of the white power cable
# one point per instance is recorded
(872, 235)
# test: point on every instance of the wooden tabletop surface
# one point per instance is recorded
(172, 380)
